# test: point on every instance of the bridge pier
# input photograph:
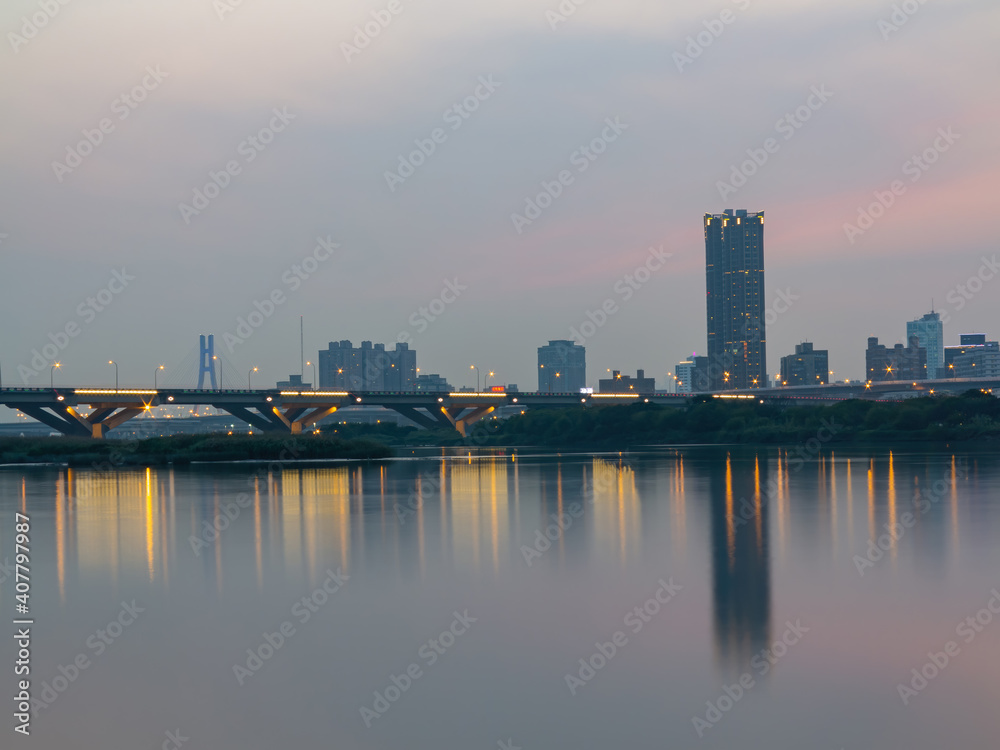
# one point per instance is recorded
(461, 423)
(292, 421)
(96, 424)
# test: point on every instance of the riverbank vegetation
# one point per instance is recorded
(184, 449)
(972, 416)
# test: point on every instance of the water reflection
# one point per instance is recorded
(741, 567)
(246, 528)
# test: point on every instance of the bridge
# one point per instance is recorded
(294, 411)
(289, 412)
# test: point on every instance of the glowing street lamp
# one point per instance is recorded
(315, 378)
(252, 371)
(473, 367)
(155, 373)
(52, 374)
(112, 362)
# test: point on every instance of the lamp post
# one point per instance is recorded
(315, 378)
(112, 362)
(473, 367)
(155, 373)
(489, 375)
(252, 371)
(52, 371)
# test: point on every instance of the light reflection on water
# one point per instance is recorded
(757, 538)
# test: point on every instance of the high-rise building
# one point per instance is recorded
(367, 368)
(432, 384)
(898, 363)
(974, 358)
(734, 272)
(562, 367)
(619, 383)
(294, 382)
(929, 331)
(692, 375)
(808, 366)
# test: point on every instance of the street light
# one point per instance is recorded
(473, 367)
(155, 373)
(491, 374)
(112, 362)
(315, 377)
(52, 373)
(252, 371)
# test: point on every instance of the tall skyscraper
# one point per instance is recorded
(734, 272)
(929, 331)
(562, 367)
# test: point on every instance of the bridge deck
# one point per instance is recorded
(292, 411)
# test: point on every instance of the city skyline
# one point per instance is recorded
(437, 258)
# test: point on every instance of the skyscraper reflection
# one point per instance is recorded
(741, 569)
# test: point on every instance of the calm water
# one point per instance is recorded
(707, 576)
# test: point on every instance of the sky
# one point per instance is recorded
(480, 178)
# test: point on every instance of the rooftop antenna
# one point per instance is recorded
(302, 348)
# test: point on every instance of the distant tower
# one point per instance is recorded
(929, 331)
(206, 361)
(734, 259)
